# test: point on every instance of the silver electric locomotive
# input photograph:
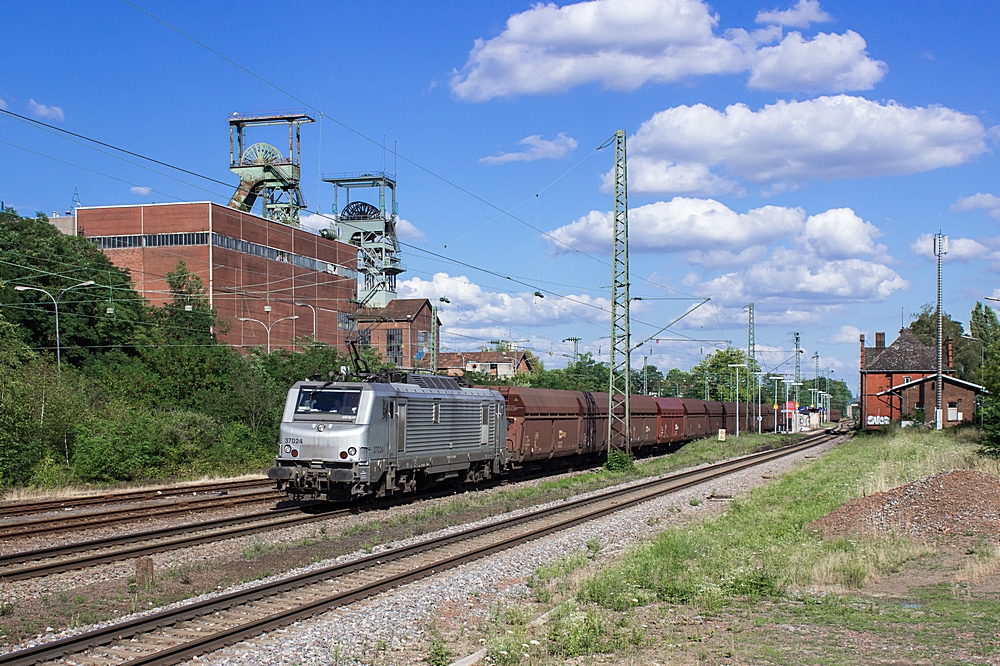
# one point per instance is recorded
(345, 440)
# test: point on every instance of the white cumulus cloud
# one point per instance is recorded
(844, 335)
(791, 275)
(45, 111)
(406, 230)
(840, 234)
(681, 225)
(959, 249)
(828, 137)
(827, 62)
(978, 201)
(623, 44)
(474, 311)
(140, 190)
(792, 266)
(648, 175)
(799, 16)
(537, 149)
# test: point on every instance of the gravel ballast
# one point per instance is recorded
(390, 628)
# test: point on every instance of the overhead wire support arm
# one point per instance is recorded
(653, 336)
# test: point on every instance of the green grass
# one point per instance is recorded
(762, 546)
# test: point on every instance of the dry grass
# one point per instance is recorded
(30, 494)
(861, 560)
(913, 458)
(985, 562)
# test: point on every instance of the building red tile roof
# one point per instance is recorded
(905, 354)
(399, 309)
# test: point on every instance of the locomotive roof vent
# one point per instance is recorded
(433, 381)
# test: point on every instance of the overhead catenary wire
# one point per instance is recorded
(377, 143)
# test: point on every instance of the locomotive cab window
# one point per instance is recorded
(328, 402)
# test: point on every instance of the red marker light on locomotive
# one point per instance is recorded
(295, 453)
(343, 454)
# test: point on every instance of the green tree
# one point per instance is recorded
(92, 320)
(721, 378)
(965, 352)
(983, 324)
(990, 446)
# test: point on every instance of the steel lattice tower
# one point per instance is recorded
(620, 385)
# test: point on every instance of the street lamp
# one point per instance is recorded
(737, 402)
(306, 305)
(795, 416)
(55, 302)
(268, 328)
(760, 375)
(776, 379)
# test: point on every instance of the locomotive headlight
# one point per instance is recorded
(321, 428)
(352, 451)
(288, 448)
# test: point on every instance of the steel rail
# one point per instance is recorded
(228, 636)
(24, 573)
(115, 516)
(21, 508)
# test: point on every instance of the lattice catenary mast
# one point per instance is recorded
(620, 384)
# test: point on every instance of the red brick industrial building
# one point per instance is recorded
(252, 268)
(898, 384)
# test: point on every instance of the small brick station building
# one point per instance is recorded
(898, 384)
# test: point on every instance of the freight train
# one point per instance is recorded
(391, 435)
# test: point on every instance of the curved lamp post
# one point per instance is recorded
(55, 302)
(306, 305)
(268, 328)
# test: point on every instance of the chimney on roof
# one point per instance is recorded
(880, 341)
(948, 352)
(862, 351)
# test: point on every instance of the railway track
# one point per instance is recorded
(56, 559)
(31, 507)
(176, 635)
(116, 516)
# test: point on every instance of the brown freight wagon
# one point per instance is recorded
(669, 420)
(695, 418)
(643, 421)
(593, 421)
(543, 423)
(716, 416)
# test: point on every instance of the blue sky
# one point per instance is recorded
(796, 155)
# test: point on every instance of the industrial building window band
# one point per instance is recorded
(226, 242)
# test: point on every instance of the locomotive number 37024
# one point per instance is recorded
(293, 440)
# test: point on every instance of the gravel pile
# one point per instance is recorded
(958, 503)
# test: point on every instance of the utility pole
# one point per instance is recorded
(797, 380)
(812, 400)
(576, 348)
(620, 380)
(940, 249)
(751, 358)
(434, 339)
(645, 378)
